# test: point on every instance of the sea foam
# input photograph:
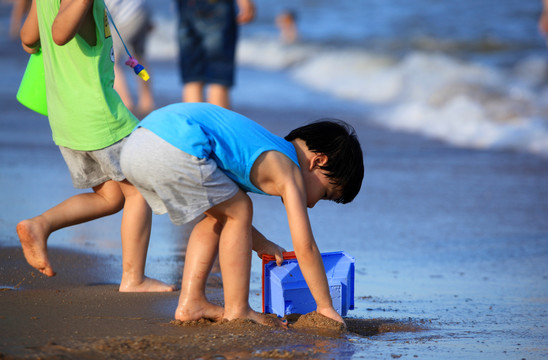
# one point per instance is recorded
(464, 103)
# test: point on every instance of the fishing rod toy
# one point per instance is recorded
(131, 62)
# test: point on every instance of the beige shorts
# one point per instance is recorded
(91, 168)
(171, 180)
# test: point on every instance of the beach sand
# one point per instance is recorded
(79, 315)
(451, 250)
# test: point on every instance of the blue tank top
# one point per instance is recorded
(207, 131)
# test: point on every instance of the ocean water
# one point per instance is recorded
(472, 73)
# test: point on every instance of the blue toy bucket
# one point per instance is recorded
(285, 291)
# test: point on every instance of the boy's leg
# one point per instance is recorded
(235, 217)
(121, 86)
(193, 92)
(219, 95)
(146, 97)
(33, 233)
(135, 231)
(200, 255)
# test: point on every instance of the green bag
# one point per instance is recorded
(32, 90)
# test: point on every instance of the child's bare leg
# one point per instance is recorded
(33, 233)
(193, 92)
(121, 87)
(200, 255)
(219, 95)
(235, 258)
(146, 98)
(135, 230)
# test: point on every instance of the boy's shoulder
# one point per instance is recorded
(273, 169)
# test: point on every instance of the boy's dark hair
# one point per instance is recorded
(338, 141)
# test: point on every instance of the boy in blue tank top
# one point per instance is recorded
(198, 159)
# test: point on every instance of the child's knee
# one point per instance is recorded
(239, 208)
(212, 223)
(112, 194)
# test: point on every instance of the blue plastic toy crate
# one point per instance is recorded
(285, 291)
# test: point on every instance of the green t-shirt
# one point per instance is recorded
(85, 112)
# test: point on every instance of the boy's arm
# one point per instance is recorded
(246, 11)
(275, 174)
(29, 34)
(73, 15)
(306, 250)
(263, 246)
(543, 20)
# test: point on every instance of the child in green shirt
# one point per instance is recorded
(89, 123)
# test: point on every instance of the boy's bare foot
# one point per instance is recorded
(147, 285)
(198, 310)
(33, 238)
(261, 319)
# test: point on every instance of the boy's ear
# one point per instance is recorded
(318, 160)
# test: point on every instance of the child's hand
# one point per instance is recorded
(543, 23)
(331, 313)
(267, 247)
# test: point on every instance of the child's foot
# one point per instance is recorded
(33, 238)
(198, 310)
(147, 285)
(261, 319)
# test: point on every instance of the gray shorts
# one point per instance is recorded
(91, 168)
(171, 180)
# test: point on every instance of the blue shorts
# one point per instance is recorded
(207, 37)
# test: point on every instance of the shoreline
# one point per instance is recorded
(79, 314)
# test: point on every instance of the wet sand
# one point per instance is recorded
(79, 315)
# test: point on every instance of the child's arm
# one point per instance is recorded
(74, 17)
(306, 250)
(29, 34)
(276, 174)
(543, 21)
(263, 246)
(246, 11)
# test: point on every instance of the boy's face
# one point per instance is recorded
(319, 188)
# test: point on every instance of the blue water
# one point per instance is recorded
(471, 73)
(454, 239)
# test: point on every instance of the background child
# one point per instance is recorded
(286, 22)
(88, 122)
(133, 20)
(196, 158)
(207, 34)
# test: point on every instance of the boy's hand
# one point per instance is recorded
(267, 247)
(543, 23)
(263, 246)
(331, 313)
(246, 11)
